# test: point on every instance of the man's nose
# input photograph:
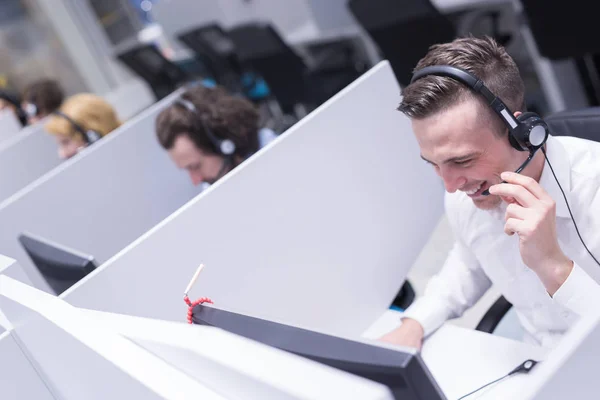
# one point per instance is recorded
(452, 180)
(196, 178)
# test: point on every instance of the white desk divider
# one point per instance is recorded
(570, 370)
(318, 229)
(9, 125)
(82, 354)
(100, 200)
(25, 157)
(10, 268)
(79, 359)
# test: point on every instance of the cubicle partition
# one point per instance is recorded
(100, 200)
(9, 125)
(57, 351)
(317, 229)
(24, 158)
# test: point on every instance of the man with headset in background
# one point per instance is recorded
(513, 230)
(208, 132)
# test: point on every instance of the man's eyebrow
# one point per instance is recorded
(424, 159)
(454, 159)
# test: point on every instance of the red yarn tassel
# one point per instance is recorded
(194, 304)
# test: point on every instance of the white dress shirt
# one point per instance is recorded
(484, 255)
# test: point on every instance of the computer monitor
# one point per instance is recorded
(60, 266)
(404, 372)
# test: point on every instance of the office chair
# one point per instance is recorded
(405, 297)
(161, 74)
(583, 123)
(565, 32)
(263, 49)
(292, 82)
(404, 30)
(216, 50)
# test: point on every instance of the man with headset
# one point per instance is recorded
(208, 132)
(517, 231)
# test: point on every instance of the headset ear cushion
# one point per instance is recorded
(526, 115)
(537, 129)
(522, 131)
(513, 142)
(93, 136)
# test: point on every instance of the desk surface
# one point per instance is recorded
(461, 360)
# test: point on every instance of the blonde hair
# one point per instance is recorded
(89, 111)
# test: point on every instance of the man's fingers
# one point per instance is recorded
(516, 211)
(513, 226)
(519, 193)
(527, 182)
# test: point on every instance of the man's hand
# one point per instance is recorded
(531, 214)
(409, 334)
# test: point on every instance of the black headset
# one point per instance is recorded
(225, 147)
(527, 132)
(90, 136)
(13, 99)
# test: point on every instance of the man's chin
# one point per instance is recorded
(487, 202)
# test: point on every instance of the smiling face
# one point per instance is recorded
(465, 151)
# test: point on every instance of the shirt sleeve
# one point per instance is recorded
(458, 285)
(579, 292)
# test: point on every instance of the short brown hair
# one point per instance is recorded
(484, 58)
(227, 117)
(45, 94)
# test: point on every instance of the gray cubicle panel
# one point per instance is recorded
(317, 229)
(24, 158)
(18, 377)
(100, 200)
(9, 125)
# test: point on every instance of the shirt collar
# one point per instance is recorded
(559, 159)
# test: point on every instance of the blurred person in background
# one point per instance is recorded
(10, 101)
(208, 132)
(41, 98)
(82, 120)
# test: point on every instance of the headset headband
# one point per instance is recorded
(224, 146)
(476, 85)
(75, 124)
(88, 136)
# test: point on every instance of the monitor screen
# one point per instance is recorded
(402, 371)
(60, 266)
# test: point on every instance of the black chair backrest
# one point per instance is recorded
(583, 123)
(213, 46)
(562, 30)
(161, 74)
(262, 48)
(403, 30)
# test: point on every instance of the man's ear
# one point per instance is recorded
(517, 113)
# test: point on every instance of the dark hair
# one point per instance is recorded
(228, 117)
(484, 58)
(45, 94)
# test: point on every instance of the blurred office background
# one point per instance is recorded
(95, 45)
